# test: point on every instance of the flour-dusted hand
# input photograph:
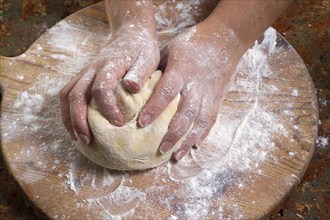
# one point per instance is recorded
(131, 55)
(199, 64)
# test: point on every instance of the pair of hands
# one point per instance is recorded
(199, 64)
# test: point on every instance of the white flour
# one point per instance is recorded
(184, 10)
(231, 157)
(323, 142)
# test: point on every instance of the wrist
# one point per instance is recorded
(248, 19)
(135, 32)
(225, 37)
(131, 14)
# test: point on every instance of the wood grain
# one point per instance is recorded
(61, 183)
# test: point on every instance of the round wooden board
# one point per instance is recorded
(261, 144)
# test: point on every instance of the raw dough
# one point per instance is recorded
(129, 147)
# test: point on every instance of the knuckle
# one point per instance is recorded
(188, 143)
(203, 123)
(97, 90)
(176, 134)
(75, 96)
(153, 55)
(168, 91)
(190, 111)
(178, 128)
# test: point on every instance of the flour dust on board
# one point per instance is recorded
(201, 185)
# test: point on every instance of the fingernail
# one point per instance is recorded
(144, 120)
(84, 138)
(131, 86)
(179, 155)
(165, 147)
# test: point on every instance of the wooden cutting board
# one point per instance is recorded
(255, 154)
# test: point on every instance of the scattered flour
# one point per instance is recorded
(323, 101)
(173, 17)
(195, 188)
(295, 93)
(39, 47)
(322, 142)
(20, 77)
(183, 11)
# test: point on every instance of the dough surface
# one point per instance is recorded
(129, 147)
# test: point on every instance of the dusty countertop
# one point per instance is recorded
(305, 25)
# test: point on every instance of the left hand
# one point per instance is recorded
(131, 55)
(199, 64)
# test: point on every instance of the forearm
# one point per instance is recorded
(247, 19)
(130, 13)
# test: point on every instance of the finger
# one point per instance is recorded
(212, 120)
(103, 93)
(182, 121)
(140, 71)
(166, 90)
(78, 99)
(202, 125)
(65, 105)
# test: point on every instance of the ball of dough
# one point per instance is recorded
(129, 147)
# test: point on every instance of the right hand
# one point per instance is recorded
(131, 55)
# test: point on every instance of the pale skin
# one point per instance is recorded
(212, 48)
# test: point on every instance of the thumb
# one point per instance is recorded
(145, 65)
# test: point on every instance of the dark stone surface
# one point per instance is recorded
(305, 25)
